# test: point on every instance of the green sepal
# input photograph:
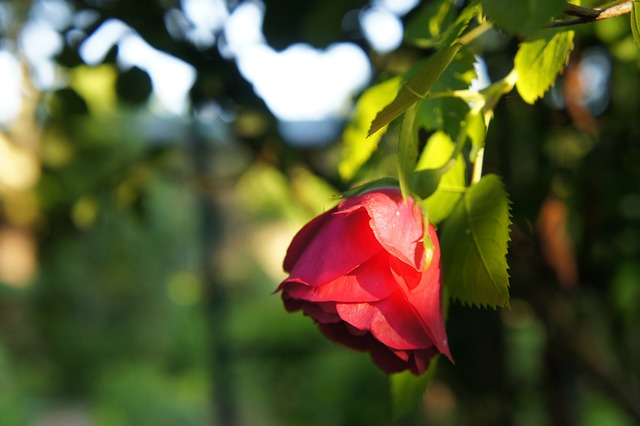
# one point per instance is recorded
(385, 182)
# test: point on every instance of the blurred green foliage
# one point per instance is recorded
(150, 265)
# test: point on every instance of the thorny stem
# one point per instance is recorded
(583, 15)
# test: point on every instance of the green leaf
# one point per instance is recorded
(357, 148)
(407, 150)
(407, 390)
(418, 86)
(425, 182)
(461, 23)
(458, 75)
(447, 113)
(426, 28)
(474, 246)
(635, 21)
(521, 16)
(451, 185)
(539, 61)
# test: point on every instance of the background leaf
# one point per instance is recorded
(474, 245)
(407, 390)
(357, 147)
(452, 184)
(522, 16)
(539, 61)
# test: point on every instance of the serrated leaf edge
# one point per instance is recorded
(531, 101)
(504, 304)
(476, 245)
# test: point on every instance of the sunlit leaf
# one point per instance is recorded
(539, 61)
(407, 390)
(357, 147)
(419, 84)
(521, 16)
(451, 185)
(635, 21)
(407, 150)
(474, 245)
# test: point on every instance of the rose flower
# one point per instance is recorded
(360, 270)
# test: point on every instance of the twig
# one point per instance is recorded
(477, 166)
(584, 15)
(474, 33)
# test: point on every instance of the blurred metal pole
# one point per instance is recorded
(215, 299)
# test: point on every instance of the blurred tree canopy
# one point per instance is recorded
(149, 188)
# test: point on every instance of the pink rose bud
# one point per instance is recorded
(359, 270)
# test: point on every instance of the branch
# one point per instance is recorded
(584, 15)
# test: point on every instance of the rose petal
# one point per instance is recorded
(382, 357)
(331, 247)
(321, 312)
(303, 238)
(369, 282)
(391, 321)
(425, 300)
(420, 360)
(397, 225)
(389, 361)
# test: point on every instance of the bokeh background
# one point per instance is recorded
(157, 156)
